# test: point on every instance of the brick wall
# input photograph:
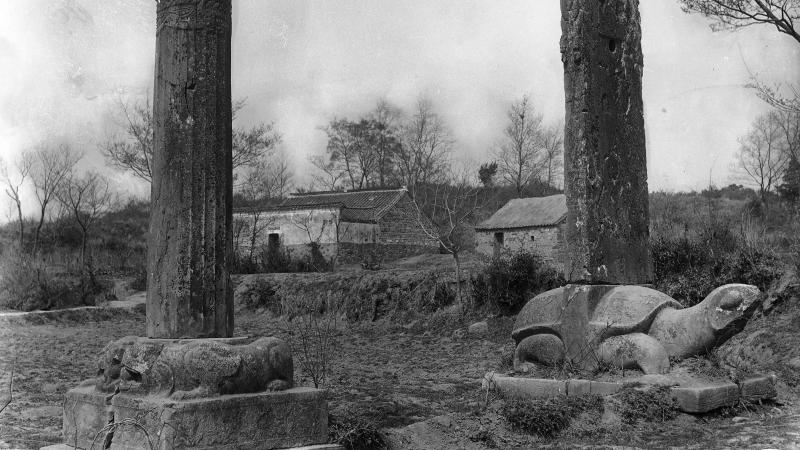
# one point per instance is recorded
(401, 226)
(547, 242)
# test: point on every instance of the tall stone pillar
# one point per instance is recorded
(189, 292)
(605, 166)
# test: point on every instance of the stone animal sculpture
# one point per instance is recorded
(195, 368)
(628, 326)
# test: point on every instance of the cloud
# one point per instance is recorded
(301, 63)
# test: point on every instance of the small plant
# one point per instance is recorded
(356, 431)
(549, 417)
(508, 283)
(653, 405)
(261, 293)
(139, 282)
(27, 284)
(312, 327)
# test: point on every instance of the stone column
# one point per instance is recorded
(190, 247)
(605, 166)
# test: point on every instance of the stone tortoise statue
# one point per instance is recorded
(194, 368)
(628, 326)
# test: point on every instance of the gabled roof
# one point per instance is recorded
(528, 212)
(356, 206)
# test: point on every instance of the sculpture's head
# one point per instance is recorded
(730, 306)
(109, 364)
(139, 361)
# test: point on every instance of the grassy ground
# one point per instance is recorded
(401, 375)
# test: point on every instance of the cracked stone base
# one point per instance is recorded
(269, 420)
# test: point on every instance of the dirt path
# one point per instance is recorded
(402, 376)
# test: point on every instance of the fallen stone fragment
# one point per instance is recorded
(702, 399)
(478, 328)
(604, 388)
(758, 388)
(524, 388)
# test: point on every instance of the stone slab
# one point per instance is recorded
(305, 447)
(260, 421)
(604, 388)
(318, 447)
(701, 399)
(86, 412)
(758, 388)
(524, 388)
(579, 387)
(518, 387)
(266, 420)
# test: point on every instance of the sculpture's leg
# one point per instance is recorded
(634, 350)
(545, 349)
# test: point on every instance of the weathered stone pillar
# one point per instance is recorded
(604, 143)
(189, 292)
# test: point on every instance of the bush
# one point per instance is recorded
(312, 326)
(508, 283)
(356, 431)
(653, 405)
(261, 293)
(548, 417)
(688, 268)
(27, 285)
(139, 282)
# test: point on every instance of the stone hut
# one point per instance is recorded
(526, 224)
(347, 227)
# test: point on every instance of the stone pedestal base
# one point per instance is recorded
(267, 420)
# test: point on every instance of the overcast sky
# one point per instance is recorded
(300, 63)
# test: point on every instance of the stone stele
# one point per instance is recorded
(189, 385)
(605, 170)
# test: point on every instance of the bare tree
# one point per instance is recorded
(553, 148)
(267, 179)
(86, 197)
(307, 223)
(762, 154)
(49, 169)
(328, 175)
(452, 206)
(134, 152)
(14, 183)
(252, 144)
(520, 156)
(345, 152)
(386, 143)
(426, 147)
(735, 14)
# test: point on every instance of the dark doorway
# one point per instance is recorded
(498, 244)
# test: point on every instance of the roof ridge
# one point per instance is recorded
(355, 191)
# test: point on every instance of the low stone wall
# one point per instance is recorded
(350, 253)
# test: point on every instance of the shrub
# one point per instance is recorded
(548, 417)
(139, 282)
(356, 430)
(312, 325)
(689, 267)
(261, 293)
(508, 283)
(653, 405)
(27, 285)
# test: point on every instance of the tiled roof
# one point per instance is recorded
(357, 206)
(528, 212)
